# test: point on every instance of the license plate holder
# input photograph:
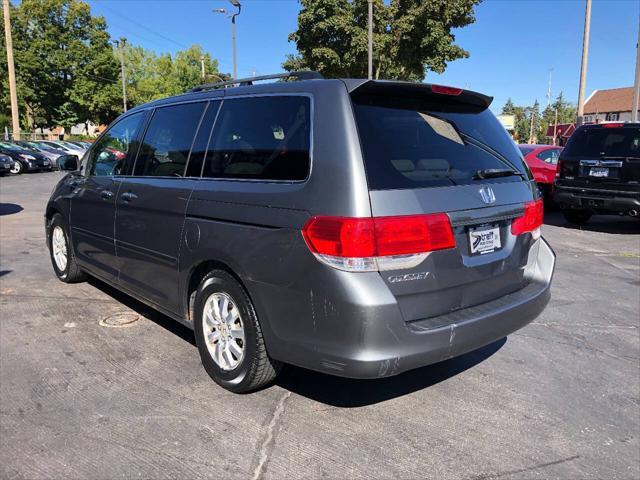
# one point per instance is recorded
(599, 172)
(484, 239)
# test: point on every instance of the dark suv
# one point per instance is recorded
(599, 172)
(358, 228)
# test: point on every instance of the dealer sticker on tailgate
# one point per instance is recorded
(484, 240)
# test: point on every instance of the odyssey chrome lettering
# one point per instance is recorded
(408, 277)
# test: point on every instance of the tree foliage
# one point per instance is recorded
(409, 37)
(65, 69)
(68, 70)
(541, 121)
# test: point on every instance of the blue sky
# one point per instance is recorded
(513, 44)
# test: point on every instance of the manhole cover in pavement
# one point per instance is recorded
(120, 320)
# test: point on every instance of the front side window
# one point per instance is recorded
(167, 142)
(107, 157)
(264, 138)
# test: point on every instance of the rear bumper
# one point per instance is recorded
(596, 200)
(388, 346)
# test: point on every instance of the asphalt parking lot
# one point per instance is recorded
(558, 399)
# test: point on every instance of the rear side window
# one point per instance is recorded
(167, 142)
(412, 147)
(549, 155)
(604, 142)
(265, 138)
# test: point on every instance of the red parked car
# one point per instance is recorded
(543, 161)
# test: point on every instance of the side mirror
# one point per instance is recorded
(68, 163)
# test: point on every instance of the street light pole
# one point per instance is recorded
(583, 67)
(370, 64)
(15, 119)
(238, 5)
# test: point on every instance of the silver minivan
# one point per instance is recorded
(355, 227)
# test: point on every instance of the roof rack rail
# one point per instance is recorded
(303, 75)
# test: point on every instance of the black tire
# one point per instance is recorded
(256, 368)
(17, 168)
(579, 217)
(71, 273)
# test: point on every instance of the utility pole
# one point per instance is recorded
(636, 84)
(555, 128)
(15, 118)
(120, 44)
(370, 22)
(235, 3)
(533, 114)
(549, 88)
(583, 67)
(202, 74)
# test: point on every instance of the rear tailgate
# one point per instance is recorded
(418, 165)
(603, 156)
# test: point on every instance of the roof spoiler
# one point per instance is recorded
(413, 90)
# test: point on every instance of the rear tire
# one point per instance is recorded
(61, 252)
(229, 336)
(579, 217)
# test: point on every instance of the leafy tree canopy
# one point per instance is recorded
(409, 37)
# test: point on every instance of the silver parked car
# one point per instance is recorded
(355, 227)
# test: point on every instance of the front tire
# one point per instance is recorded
(229, 336)
(61, 252)
(579, 217)
(17, 168)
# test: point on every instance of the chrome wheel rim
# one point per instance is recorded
(17, 166)
(59, 248)
(223, 331)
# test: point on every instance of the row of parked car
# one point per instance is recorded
(28, 156)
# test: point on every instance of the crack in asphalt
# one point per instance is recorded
(488, 476)
(268, 443)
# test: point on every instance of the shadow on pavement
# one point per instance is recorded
(9, 208)
(149, 313)
(348, 393)
(5, 272)
(598, 223)
(328, 389)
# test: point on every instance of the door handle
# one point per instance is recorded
(106, 194)
(128, 197)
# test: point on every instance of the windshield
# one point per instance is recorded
(604, 142)
(10, 146)
(415, 148)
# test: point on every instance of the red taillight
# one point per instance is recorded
(531, 220)
(558, 168)
(444, 90)
(364, 243)
(612, 125)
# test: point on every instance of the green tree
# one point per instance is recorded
(410, 37)
(65, 68)
(151, 76)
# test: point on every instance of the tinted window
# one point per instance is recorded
(413, 148)
(108, 155)
(167, 142)
(201, 143)
(263, 138)
(604, 142)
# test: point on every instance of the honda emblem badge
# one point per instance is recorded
(487, 195)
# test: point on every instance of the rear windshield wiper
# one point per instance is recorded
(491, 151)
(495, 173)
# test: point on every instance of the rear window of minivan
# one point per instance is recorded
(604, 142)
(414, 145)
